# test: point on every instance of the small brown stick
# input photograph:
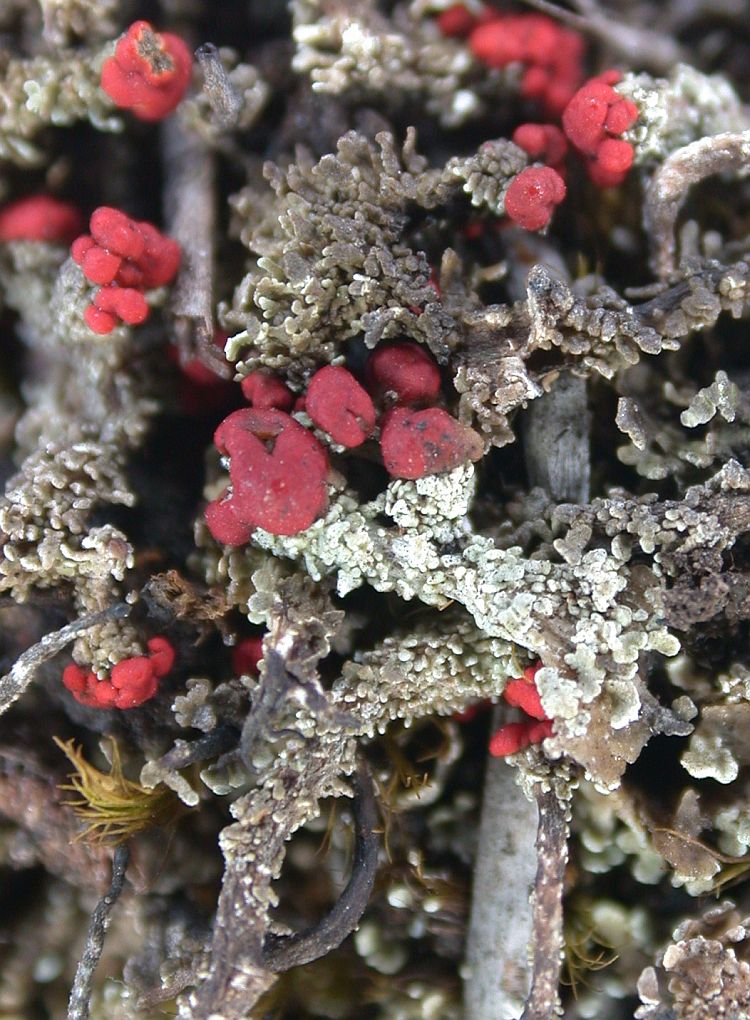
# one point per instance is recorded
(14, 683)
(225, 101)
(30, 798)
(80, 995)
(188, 752)
(552, 856)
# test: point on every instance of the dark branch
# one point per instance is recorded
(80, 995)
(188, 752)
(283, 953)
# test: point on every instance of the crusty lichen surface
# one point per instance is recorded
(337, 177)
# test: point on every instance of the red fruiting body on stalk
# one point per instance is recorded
(223, 522)
(126, 303)
(500, 41)
(539, 731)
(264, 389)
(278, 471)
(159, 261)
(161, 654)
(246, 655)
(99, 693)
(98, 321)
(532, 196)
(552, 55)
(456, 21)
(586, 113)
(340, 406)
(609, 77)
(126, 257)
(148, 73)
(98, 264)
(40, 218)
(544, 142)
(530, 672)
(430, 442)
(515, 737)
(282, 490)
(80, 246)
(116, 232)
(510, 738)
(407, 370)
(610, 166)
(621, 116)
(132, 681)
(74, 678)
(592, 119)
(522, 694)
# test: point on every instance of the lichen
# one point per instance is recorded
(573, 577)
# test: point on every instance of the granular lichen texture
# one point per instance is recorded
(375, 525)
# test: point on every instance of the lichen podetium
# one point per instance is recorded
(374, 434)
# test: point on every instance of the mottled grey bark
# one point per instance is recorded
(496, 975)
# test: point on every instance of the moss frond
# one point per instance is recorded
(113, 807)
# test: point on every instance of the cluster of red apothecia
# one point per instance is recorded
(134, 681)
(149, 72)
(521, 692)
(126, 258)
(148, 75)
(131, 682)
(279, 469)
(593, 115)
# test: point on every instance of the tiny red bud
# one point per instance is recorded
(407, 370)
(263, 389)
(340, 406)
(39, 218)
(533, 195)
(224, 524)
(419, 443)
(149, 72)
(246, 655)
(520, 693)
(161, 654)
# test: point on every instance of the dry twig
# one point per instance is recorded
(14, 683)
(80, 996)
